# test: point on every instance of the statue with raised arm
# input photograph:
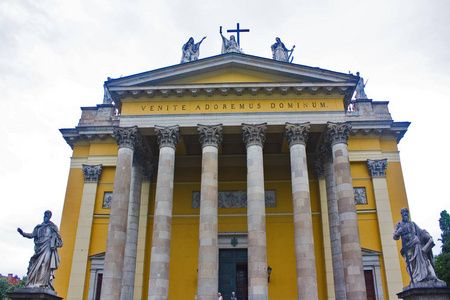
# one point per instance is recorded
(229, 45)
(45, 260)
(280, 52)
(191, 50)
(416, 249)
(360, 93)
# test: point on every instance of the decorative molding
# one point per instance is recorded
(238, 91)
(360, 195)
(210, 135)
(377, 167)
(254, 134)
(235, 199)
(284, 90)
(168, 136)
(107, 198)
(180, 92)
(338, 132)
(127, 136)
(296, 133)
(92, 173)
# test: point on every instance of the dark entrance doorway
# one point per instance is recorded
(233, 273)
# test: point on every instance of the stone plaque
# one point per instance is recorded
(107, 197)
(360, 195)
(235, 199)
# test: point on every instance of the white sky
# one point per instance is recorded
(55, 56)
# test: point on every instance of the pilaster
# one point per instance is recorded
(84, 229)
(385, 225)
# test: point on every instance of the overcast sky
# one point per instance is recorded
(55, 56)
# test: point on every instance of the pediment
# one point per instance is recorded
(231, 72)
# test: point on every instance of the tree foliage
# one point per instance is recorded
(442, 261)
(5, 286)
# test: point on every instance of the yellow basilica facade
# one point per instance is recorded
(233, 173)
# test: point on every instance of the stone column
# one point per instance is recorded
(385, 225)
(208, 251)
(333, 220)
(84, 229)
(254, 138)
(348, 222)
(127, 138)
(142, 232)
(320, 172)
(297, 135)
(139, 160)
(168, 138)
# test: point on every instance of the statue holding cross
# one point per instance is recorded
(231, 45)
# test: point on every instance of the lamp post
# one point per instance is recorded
(269, 271)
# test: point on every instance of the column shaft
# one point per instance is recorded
(335, 236)
(127, 138)
(158, 289)
(208, 251)
(254, 137)
(129, 267)
(297, 135)
(348, 221)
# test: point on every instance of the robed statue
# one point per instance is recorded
(359, 90)
(191, 50)
(280, 52)
(229, 45)
(45, 260)
(416, 249)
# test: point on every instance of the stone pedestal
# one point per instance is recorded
(425, 294)
(33, 294)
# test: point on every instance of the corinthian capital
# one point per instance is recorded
(168, 136)
(254, 134)
(338, 132)
(377, 167)
(210, 135)
(127, 136)
(92, 172)
(296, 133)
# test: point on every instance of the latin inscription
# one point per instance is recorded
(230, 106)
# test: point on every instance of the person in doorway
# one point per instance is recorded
(219, 296)
(233, 296)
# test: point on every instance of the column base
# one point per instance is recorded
(33, 294)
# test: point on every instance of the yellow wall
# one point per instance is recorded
(280, 230)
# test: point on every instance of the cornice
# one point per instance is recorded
(89, 133)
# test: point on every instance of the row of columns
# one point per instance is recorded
(120, 258)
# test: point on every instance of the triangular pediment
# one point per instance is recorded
(235, 72)
(231, 67)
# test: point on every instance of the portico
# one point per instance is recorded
(235, 142)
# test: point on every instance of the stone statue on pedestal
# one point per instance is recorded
(416, 249)
(280, 52)
(191, 50)
(229, 45)
(360, 93)
(44, 262)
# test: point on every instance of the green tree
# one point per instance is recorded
(5, 286)
(442, 261)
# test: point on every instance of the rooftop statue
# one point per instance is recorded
(45, 260)
(191, 50)
(280, 52)
(229, 45)
(416, 249)
(360, 94)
